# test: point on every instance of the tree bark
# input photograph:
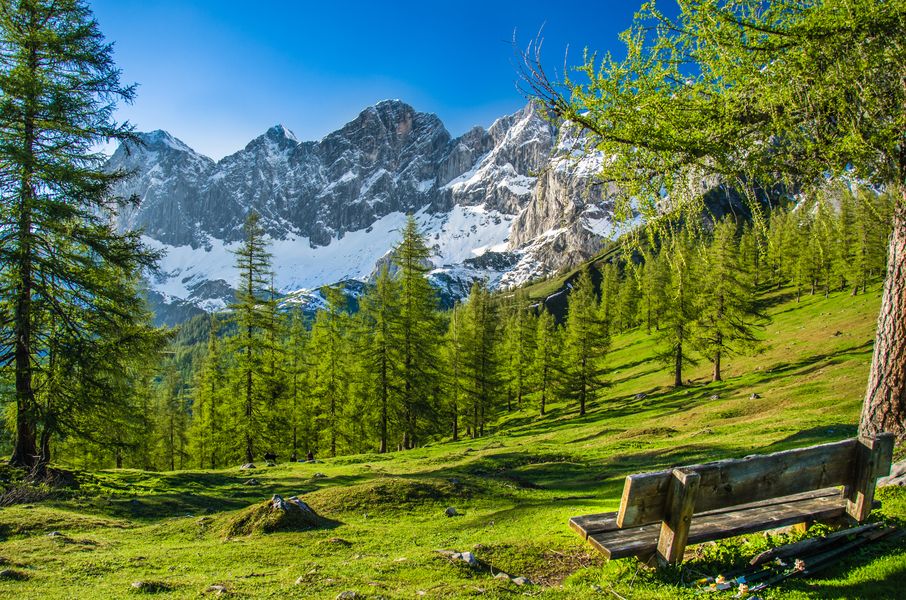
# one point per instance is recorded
(25, 449)
(716, 374)
(885, 399)
(678, 366)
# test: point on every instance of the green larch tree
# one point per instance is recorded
(251, 346)
(585, 345)
(60, 256)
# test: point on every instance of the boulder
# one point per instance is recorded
(451, 512)
(247, 466)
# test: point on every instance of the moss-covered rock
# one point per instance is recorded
(276, 514)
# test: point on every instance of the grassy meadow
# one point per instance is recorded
(514, 489)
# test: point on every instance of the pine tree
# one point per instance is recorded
(419, 332)
(60, 257)
(726, 303)
(585, 344)
(252, 314)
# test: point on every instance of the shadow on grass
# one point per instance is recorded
(196, 493)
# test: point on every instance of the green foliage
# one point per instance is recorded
(586, 340)
(72, 325)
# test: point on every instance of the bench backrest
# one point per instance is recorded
(647, 497)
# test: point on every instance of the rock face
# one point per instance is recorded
(509, 203)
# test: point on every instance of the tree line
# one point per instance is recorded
(399, 372)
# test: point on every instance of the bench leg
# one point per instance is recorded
(873, 461)
(675, 528)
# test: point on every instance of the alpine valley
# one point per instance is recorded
(509, 204)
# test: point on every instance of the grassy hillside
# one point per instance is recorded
(515, 490)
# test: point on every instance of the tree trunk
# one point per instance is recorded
(885, 399)
(25, 450)
(678, 366)
(720, 341)
(249, 448)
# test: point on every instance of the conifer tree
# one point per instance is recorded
(480, 367)
(419, 332)
(726, 303)
(453, 367)
(675, 336)
(754, 93)
(252, 314)
(380, 315)
(517, 347)
(208, 414)
(652, 283)
(300, 401)
(547, 345)
(60, 257)
(330, 378)
(585, 344)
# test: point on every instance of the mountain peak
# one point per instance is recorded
(280, 131)
(162, 139)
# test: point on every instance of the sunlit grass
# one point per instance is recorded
(515, 490)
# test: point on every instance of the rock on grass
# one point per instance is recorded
(12, 575)
(150, 587)
(276, 514)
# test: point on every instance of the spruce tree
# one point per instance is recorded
(60, 257)
(300, 403)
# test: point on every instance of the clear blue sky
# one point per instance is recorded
(217, 73)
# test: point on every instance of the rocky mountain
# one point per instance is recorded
(511, 203)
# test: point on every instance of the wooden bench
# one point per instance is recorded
(663, 511)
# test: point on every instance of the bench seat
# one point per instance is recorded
(601, 530)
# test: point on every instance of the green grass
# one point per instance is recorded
(515, 490)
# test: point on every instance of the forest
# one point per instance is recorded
(390, 370)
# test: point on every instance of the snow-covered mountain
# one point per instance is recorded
(510, 203)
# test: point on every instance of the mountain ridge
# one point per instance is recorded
(506, 203)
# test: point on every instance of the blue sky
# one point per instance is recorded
(217, 73)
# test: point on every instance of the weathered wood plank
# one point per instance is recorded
(732, 482)
(586, 525)
(675, 527)
(720, 524)
(596, 523)
(873, 460)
